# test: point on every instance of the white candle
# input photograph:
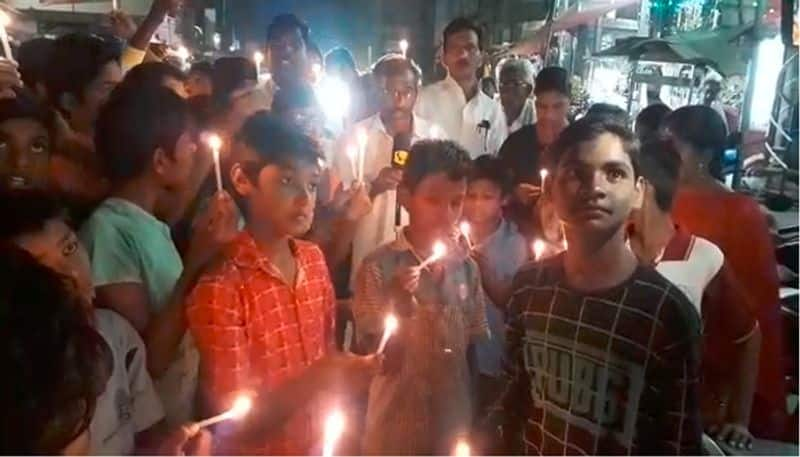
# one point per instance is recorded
(543, 176)
(184, 55)
(462, 449)
(5, 21)
(361, 137)
(352, 154)
(389, 327)
(538, 249)
(239, 409)
(404, 47)
(114, 5)
(465, 229)
(258, 58)
(215, 143)
(439, 251)
(334, 428)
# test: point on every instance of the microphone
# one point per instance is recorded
(400, 147)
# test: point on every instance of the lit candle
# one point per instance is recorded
(258, 58)
(334, 428)
(465, 231)
(439, 250)
(389, 327)
(215, 143)
(462, 449)
(114, 5)
(543, 176)
(239, 409)
(361, 137)
(352, 154)
(5, 21)
(538, 249)
(404, 47)
(184, 55)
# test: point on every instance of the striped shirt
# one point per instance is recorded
(607, 372)
(424, 406)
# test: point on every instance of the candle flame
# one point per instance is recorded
(465, 228)
(5, 19)
(439, 250)
(258, 57)
(241, 407)
(538, 249)
(403, 46)
(462, 449)
(334, 427)
(214, 141)
(543, 174)
(182, 53)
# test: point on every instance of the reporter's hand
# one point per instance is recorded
(188, 439)
(388, 179)
(734, 435)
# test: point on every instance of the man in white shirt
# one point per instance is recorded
(456, 104)
(516, 89)
(394, 127)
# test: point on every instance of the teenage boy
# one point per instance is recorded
(421, 404)
(732, 338)
(500, 251)
(263, 315)
(148, 141)
(604, 353)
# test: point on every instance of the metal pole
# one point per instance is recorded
(748, 93)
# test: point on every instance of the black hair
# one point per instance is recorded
(204, 68)
(340, 56)
(31, 210)
(202, 110)
(25, 105)
(295, 96)
(76, 60)
(51, 355)
(231, 74)
(491, 169)
(461, 24)
(283, 23)
(648, 122)
(660, 164)
(703, 129)
(588, 129)
(151, 74)
(552, 79)
(429, 157)
(608, 111)
(394, 64)
(33, 57)
(275, 143)
(133, 124)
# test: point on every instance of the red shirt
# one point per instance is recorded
(735, 223)
(254, 331)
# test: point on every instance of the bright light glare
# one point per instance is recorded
(333, 96)
(768, 65)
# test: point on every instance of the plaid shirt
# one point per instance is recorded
(255, 331)
(609, 372)
(422, 408)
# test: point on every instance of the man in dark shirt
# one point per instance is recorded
(604, 353)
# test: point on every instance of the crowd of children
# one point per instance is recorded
(572, 288)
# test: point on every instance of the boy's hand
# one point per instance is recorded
(350, 372)
(735, 435)
(526, 193)
(122, 25)
(359, 204)
(9, 78)
(388, 179)
(187, 439)
(215, 227)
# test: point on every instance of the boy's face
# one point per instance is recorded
(175, 170)
(198, 84)
(84, 113)
(435, 204)
(24, 153)
(282, 198)
(484, 202)
(551, 108)
(57, 247)
(595, 188)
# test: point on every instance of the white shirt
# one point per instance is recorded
(129, 404)
(526, 117)
(444, 104)
(377, 227)
(692, 274)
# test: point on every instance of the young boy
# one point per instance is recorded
(263, 315)
(127, 412)
(500, 251)
(604, 353)
(26, 141)
(148, 141)
(732, 338)
(421, 404)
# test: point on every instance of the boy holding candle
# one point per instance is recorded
(421, 404)
(148, 141)
(262, 316)
(604, 352)
(500, 251)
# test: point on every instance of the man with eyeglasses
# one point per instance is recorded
(395, 127)
(456, 104)
(516, 87)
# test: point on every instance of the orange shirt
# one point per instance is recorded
(254, 330)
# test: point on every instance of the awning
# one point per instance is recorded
(583, 12)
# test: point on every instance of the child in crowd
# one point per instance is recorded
(26, 139)
(149, 144)
(421, 404)
(198, 81)
(262, 316)
(732, 338)
(604, 353)
(500, 251)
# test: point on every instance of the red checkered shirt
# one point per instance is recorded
(255, 331)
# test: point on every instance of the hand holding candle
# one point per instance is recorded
(390, 325)
(439, 251)
(215, 143)
(334, 428)
(239, 409)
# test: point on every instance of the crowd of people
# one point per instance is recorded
(560, 285)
